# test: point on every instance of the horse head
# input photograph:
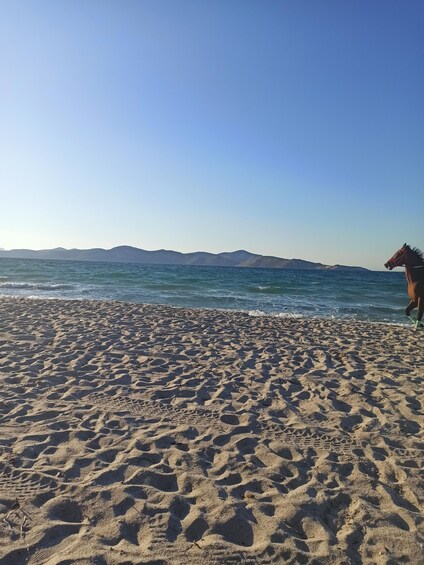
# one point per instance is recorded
(398, 259)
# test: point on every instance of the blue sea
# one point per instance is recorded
(372, 296)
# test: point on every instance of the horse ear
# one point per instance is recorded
(405, 245)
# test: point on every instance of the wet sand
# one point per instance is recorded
(149, 434)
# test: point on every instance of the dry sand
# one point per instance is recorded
(149, 434)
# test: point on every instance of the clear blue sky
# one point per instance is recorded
(291, 128)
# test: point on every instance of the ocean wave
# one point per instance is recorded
(35, 286)
(384, 308)
(266, 289)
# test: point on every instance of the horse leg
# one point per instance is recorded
(410, 307)
(420, 312)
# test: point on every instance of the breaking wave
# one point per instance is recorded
(35, 286)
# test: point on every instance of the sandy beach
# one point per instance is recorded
(137, 434)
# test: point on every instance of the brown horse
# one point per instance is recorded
(413, 261)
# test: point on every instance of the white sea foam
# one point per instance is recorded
(261, 313)
(289, 315)
(35, 286)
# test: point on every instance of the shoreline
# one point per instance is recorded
(136, 433)
(250, 313)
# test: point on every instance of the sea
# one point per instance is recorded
(352, 295)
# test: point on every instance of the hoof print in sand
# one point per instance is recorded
(409, 458)
(156, 409)
(161, 545)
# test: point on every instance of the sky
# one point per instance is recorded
(285, 127)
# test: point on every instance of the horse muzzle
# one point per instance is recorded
(388, 265)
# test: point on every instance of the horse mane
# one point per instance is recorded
(418, 253)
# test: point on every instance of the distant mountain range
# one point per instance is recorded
(128, 254)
